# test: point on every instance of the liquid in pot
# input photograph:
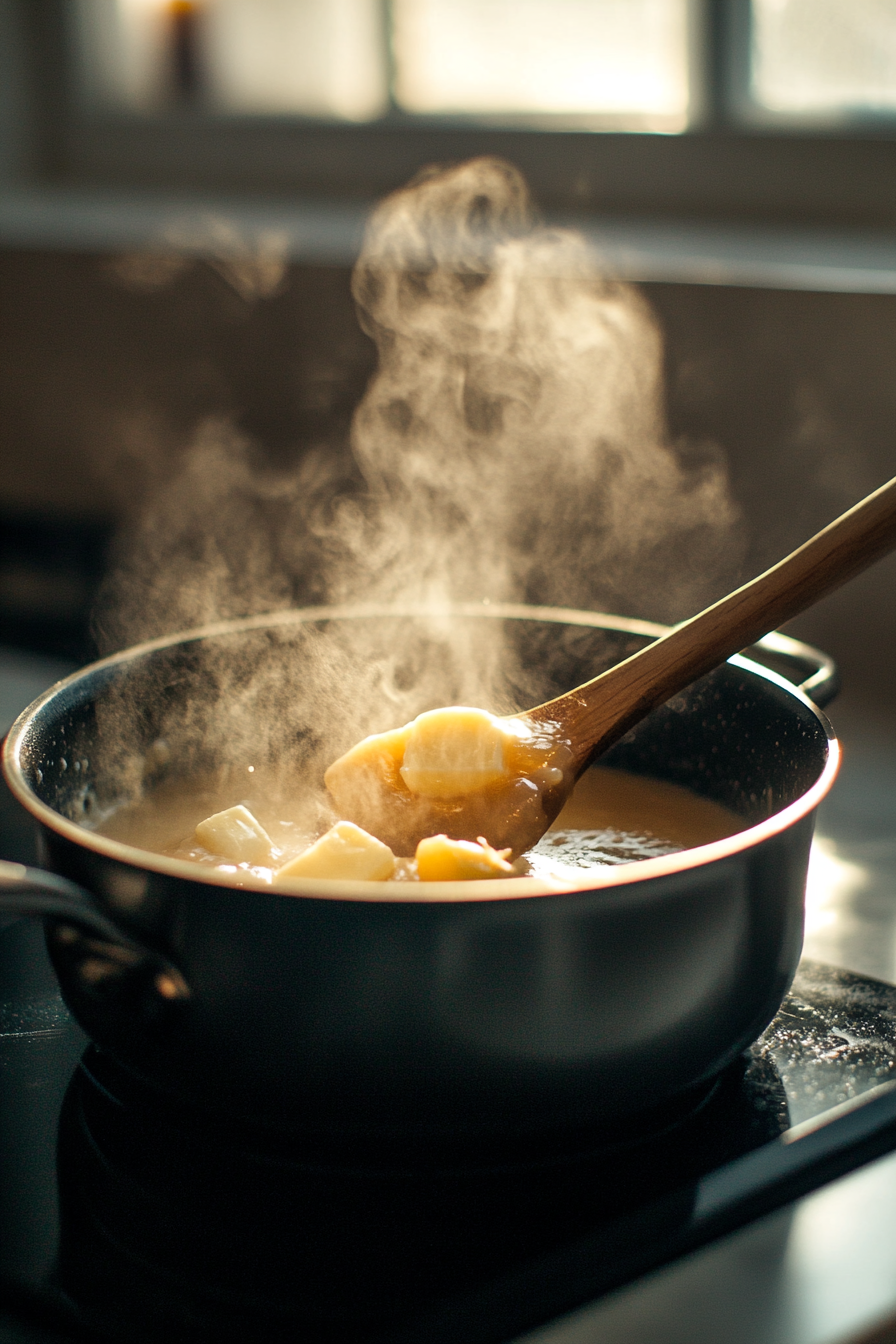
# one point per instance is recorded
(612, 817)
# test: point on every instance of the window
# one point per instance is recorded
(618, 62)
(635, 64)
(613, 62)
(323, 58)
(779, 109)
(823, 61)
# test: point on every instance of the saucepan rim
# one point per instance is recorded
(418, 893)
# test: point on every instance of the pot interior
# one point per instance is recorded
(289, 695)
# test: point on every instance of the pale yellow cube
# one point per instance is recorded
(370, 763)
(344, 852)
(236, 835)
(442, 860)
(454, 751)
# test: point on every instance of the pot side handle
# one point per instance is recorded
(38, 894)
(817, 675)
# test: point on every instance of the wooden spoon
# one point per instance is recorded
(584, 722)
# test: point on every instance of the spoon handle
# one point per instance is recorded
(601, 711)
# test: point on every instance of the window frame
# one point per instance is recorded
(732, 164)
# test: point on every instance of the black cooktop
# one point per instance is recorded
(124, 1217)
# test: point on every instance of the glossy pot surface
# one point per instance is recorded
(415, 1012)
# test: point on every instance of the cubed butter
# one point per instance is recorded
(453, 751)
(236, 835)
(344, 852)
(442, 860)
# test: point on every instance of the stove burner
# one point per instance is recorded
(180, 1226)
(198, 1220)
(121, 1104)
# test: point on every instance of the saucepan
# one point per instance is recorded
(416, 1013)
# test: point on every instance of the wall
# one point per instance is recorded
(109, 365)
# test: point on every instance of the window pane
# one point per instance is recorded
(122, 50)
(317, 57)
(625, 59)
(815, 58)
(313, 56)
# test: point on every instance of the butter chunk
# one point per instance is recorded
(345, 851)
(236, 835)
(453, 751)
(373, 761)
(442, 860)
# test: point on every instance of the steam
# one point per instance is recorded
(511, 445)
(254, 265)
(513, 438)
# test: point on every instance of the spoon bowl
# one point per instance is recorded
(574, 728)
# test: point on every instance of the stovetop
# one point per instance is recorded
(124, 1219)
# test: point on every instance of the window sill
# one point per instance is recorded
(321, 232)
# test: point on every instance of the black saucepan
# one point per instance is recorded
(415, 1013)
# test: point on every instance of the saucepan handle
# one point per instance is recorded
(816, 673)
(41, 895)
